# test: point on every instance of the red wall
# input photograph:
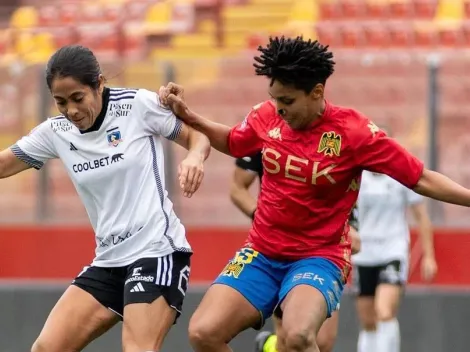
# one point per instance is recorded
(60, 253)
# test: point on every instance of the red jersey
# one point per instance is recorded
(312, 177)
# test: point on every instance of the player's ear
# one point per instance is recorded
(317, 91)
(101, 83)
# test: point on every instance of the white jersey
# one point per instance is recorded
(383, 225)
(117, 168)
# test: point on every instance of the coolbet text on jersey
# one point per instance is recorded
(312, 177)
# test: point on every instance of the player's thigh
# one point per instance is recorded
(392, 278)
(365, 281)
(311, 291)
(327, 335)
(153, 299)
(76, 320)
(243, 296)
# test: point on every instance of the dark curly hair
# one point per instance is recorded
(297, 62)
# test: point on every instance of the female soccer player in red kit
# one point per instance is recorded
(297, 255)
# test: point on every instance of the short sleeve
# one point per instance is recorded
(156, 118)
(375, 151)
(37, 147)
(251, 163)
(243, 138)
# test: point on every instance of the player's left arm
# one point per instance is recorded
(421, 216)
(376, 152)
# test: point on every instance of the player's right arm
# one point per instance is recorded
(10, 165)
(376, 152)
(31, 151)
(238, 141)
(243, 178)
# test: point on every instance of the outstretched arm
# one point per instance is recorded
(239, 141)
(217, 133)
(435, 185)
(10, 165)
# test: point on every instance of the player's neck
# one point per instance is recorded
(319, 114)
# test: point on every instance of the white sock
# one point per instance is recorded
(367, 341)
(388, 336)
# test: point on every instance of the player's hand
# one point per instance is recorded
(191, 173)
(428, 268)
(172, 96)
(355, 240)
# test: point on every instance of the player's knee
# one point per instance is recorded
(42, 345)
(384, 313)
(300, 340)
(203, 334)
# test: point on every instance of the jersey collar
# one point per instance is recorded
(99, 120)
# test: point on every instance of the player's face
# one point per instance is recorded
(297, 108)
(79, 103)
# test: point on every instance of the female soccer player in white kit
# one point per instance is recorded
(110, 141)
(381, 267)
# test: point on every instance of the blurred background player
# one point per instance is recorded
(381, 268)
(247, 170)
(296, 258)
(110, 140)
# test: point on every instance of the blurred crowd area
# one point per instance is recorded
(383, 48)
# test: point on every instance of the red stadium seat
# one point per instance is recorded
(424, 9)
(451, 37)
(48, 16)
(377, 9)
(329, 10)
(467, 8)
(328, 34)
(136, 10)
(92, 13)
(376, 35)
(425, 37)
(70, 14)
(64, 36)
(400, 9)
(352, 35)
(102, 40)
(112, 12)
(401, 34)
(352, 9)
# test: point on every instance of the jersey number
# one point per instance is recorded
(245, 255)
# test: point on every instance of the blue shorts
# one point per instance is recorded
(265, 282)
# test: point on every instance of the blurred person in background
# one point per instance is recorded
(110, 142)
(246, 171)
(381, 268)
(296, 259)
